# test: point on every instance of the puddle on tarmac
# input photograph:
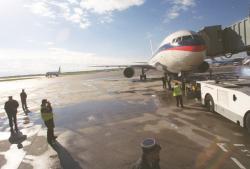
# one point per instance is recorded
(100, 112)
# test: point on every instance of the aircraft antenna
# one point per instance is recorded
(151, 47)
(248, 9)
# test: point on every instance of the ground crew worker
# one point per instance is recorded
(164, 82)
(150, 155)
(11, 109)
(210, 74)
(47, 116)
(177, 93)
(23, 96)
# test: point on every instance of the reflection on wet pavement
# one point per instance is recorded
(77, 116)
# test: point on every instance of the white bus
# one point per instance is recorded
(231, 99)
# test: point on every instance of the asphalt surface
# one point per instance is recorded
(101, 118)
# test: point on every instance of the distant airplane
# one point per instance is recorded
(235, 61)
(50, 74)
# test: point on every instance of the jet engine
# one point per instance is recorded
(129, 72)
(203, 67)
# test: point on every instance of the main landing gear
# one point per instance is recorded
(143, 76)
(168, 79)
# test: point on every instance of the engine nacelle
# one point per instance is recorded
(203, 67)
(128, 72)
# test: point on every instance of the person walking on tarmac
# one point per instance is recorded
(164, 82)
(177, 93)
(23, 96)
(47, 116)
(11, 109)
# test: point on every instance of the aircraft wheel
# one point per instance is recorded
(209, 103)
(247, 120)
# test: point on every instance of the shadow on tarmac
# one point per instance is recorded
(17, 138)
(148, 80)
(66, 160)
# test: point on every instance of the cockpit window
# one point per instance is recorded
(187, 38)
(178, 40)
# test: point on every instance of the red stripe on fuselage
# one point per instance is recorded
(197, 48)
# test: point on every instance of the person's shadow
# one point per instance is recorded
(66, 160)
(17, 138)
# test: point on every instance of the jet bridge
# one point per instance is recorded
(227, 41)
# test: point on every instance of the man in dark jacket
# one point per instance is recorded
(164, 82)
(23, 96)
(11, 109)
(47, 116)
(150, 155)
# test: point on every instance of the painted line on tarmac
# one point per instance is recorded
(245, 151)
(239, 145)
(238, 163)
(221, 145)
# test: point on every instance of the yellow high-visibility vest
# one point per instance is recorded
(177, 90)
(46, 115)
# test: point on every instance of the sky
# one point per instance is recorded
(37, 36)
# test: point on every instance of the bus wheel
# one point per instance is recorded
(248, 122)
(209, 102)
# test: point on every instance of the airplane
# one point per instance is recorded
(235, 61)
(179, 53)
(50, 74)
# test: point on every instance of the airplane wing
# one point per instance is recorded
(129, 69)
(143, 66)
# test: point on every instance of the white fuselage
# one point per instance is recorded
(182, 51)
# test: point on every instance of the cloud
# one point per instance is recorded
(107, 18)
(177, 7)
(41, 8)
(49, 43)
(78, 11)
(106, 6)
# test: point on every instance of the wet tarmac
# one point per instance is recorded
(101, 119)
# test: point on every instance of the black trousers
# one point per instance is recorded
(12, 118)
(24, 105)
(164, 85)
(50, 130)
(179, 100)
